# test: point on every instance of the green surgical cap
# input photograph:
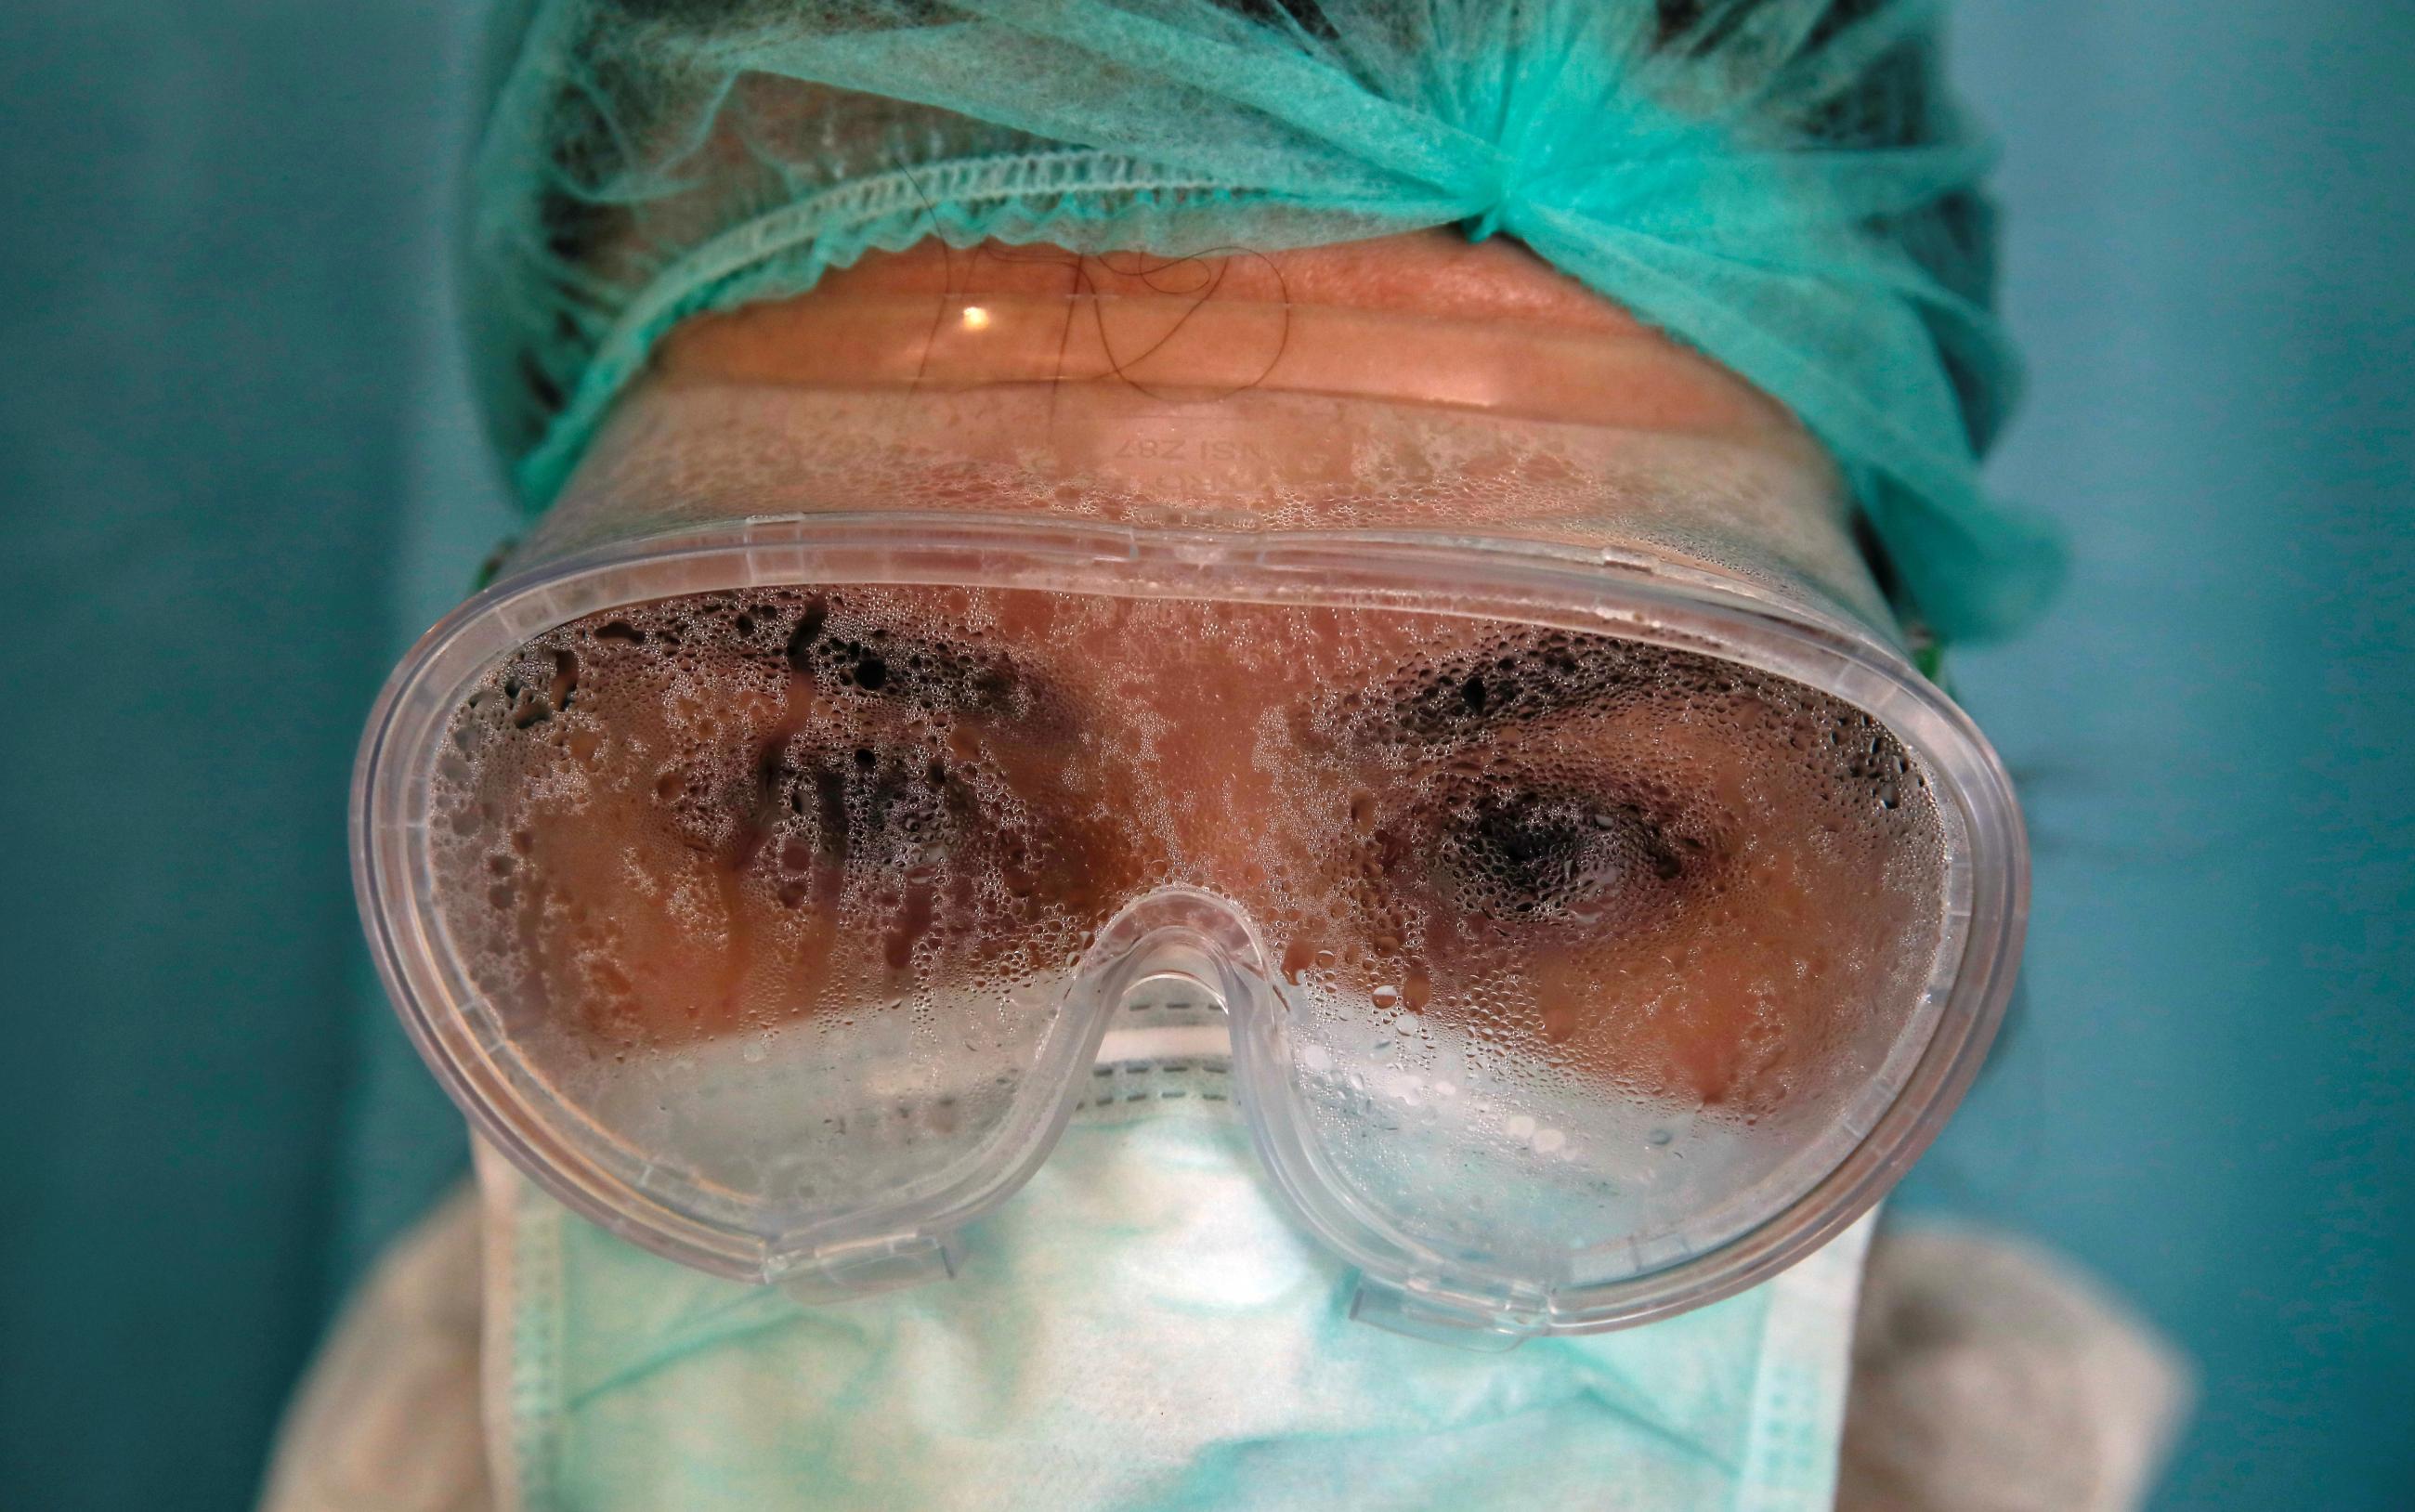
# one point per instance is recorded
(1783, 183)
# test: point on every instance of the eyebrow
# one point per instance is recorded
(1533, 674)
(936, 673)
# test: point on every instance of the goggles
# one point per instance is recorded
(1584, 936)
(1527, 819)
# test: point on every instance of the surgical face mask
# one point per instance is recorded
(1597, 926)
(1150, 1330)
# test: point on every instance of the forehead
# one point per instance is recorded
(684, 458)
(1225, 413)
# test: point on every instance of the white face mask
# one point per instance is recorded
(1141, 1327)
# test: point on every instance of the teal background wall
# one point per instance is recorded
(236, 474)
(2209, 1100)
(216, 222)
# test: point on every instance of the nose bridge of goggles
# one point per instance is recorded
(1168, 977)
(1179, 933)
(1180, 974)
(1159, 987)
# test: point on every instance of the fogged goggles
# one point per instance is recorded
(1581, 939)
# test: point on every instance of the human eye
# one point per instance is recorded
(1676, 874)
(815, 814)
(1533, 789)
(1550, 852)
(758, 805)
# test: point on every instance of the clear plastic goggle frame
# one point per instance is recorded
(836, 1153)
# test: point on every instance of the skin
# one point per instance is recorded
(687, 889)
(1437, 274)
